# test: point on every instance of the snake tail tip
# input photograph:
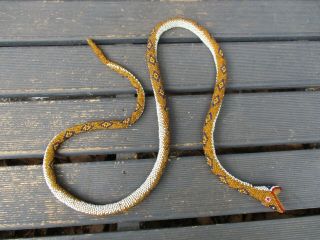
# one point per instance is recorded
(89, 41)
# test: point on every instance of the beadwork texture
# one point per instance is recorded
(266, 195)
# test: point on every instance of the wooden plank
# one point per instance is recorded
(284, 229)
(122, 21)
(246, 120)
(52, 71)
(187, 189)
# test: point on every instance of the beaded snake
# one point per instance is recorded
(265, 194)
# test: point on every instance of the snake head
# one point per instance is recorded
(270, 199)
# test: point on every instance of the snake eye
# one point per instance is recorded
(268, 199)
(273, 207)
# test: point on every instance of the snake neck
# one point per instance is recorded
(267, 195)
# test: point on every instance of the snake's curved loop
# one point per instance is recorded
(267, 195)
(48, 170)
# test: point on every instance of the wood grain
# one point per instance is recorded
(187, 189)
(52, 61)
(284, 229)
(246, 120)
(31, 21)
(65, 70)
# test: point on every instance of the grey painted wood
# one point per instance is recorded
(284, 229)
(75, 20)
(66, 70)
(246, 120)
(249, 119)
(187, 189)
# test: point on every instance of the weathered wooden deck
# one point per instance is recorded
(268, 131)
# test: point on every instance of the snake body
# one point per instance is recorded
(266, 195)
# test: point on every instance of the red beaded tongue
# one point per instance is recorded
(275, 192)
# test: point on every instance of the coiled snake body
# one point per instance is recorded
(266, 195)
